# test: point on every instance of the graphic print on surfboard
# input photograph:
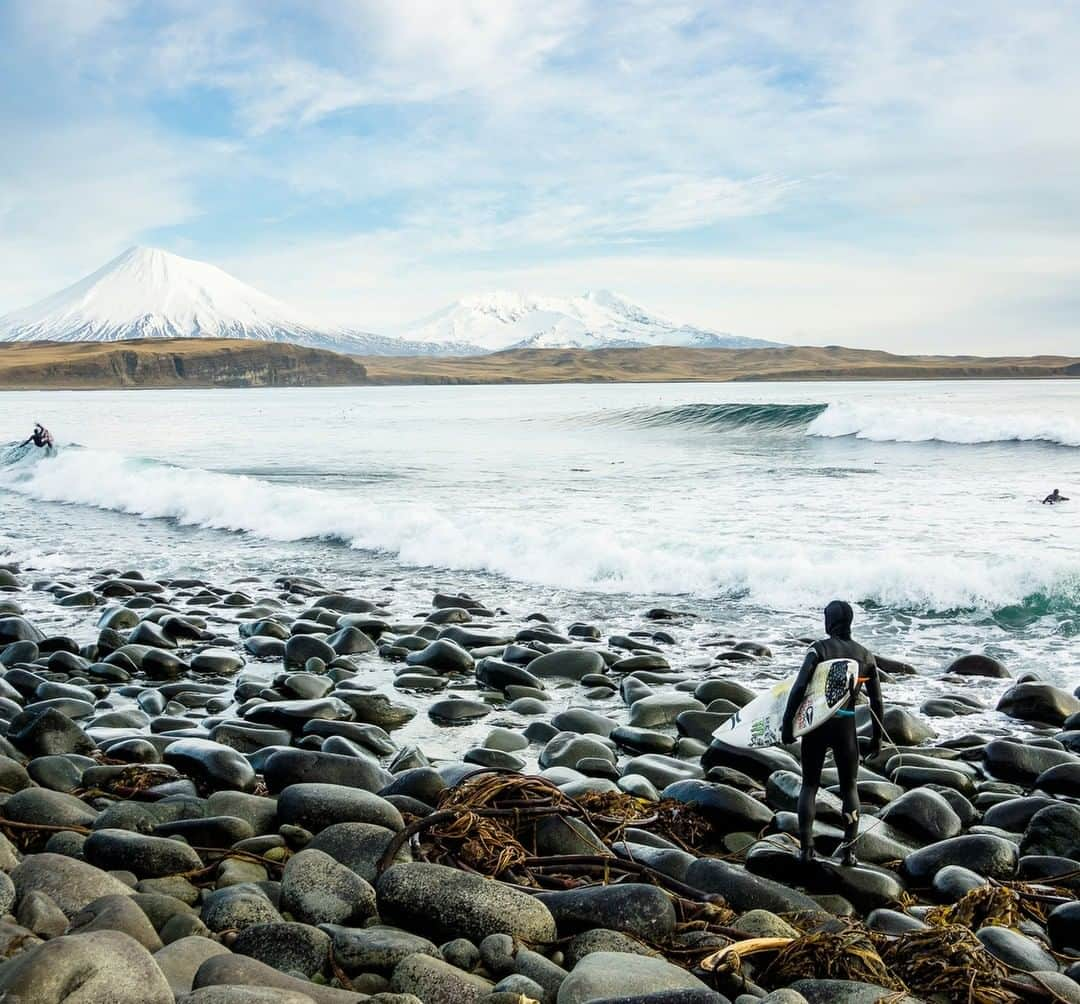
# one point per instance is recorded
(761, 721)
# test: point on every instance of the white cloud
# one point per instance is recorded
(882, 173)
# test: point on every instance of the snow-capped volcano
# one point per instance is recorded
(601, 319)
(149, 293)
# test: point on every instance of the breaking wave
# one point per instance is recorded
(870, 422)
(555, 552)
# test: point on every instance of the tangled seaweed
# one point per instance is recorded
(947, 960)
(986, 905)
(840, 951)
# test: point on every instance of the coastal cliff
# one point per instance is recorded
(174, 362)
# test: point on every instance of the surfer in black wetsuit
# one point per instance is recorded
(838, 733)
(1054, 496)
(39, 437)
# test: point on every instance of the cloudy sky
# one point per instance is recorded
(871, 173)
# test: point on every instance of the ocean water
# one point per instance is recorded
(747, 505)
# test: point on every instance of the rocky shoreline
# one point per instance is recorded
(207, 803)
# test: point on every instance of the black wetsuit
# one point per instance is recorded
(41, 437)
(838, 734)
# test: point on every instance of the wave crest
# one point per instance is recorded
(858, 421)
(563, 554)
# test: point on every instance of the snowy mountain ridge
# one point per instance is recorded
(600, 319)
(149, 293)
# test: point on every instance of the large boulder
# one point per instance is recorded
(71, 884)
(1021, 762)
(146, 856)
(437, 982)
(613, 975)
(978, 665)
(95, 968)
(924, 814)
(239, 971)
(1038, 702)
(446, 903)
(982, 853)
(744, 891)
(315, 889)
(642, 910)
(316, 806)
(1054, 830)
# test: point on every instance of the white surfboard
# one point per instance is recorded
(761, 721)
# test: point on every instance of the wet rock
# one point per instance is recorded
(116, 912)
(978, 665)
(217, 661)
(69, 883)
(641, 910)
(923, 814)
(438, 982)
(97, 966)
(1064, 779)
(16, 629)
(1063, 927)
(756, 763)
(315, 889)
(450, 904)
(292, 767)
(457, 710)
(375, 949)
(301, 647)
(1014, 814)
(727, 808)
(984, 854)
(847, 992)
(39, 914)
(316, 806)
(211, 763)
(51, 808)
(569, 663)
(782, 792)
(1038, 702)
(955, 881)
(566, 749)
(583, 722)
(289, 948)
(180, 960)
(241, 971)
(1021, 762)
(45, 730)
(146, 856)
(1054, 830)
(443, 656)
(1016, 950)
(358, 846)
(602, 975)
(238, 906)
(661, 709)
(744, 891)
(906, 729)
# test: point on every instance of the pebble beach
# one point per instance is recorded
(280, 790)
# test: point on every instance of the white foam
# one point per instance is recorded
(525, 546)
(917, 425)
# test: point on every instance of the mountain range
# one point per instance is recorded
(150, 293)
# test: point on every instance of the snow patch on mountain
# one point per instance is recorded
(600, 319)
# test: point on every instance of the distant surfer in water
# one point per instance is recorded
(39, 437)
(1054, 496)
(838, 733)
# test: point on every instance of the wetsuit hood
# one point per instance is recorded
(838, 618)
